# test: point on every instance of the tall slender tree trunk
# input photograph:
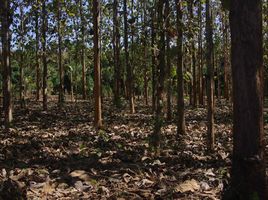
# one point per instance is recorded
(6, 38)
(83, 61)
(193, 55)
(61, 70)
(21, 62)
(37, 65)
(180, 82)
(168, 59)
(226, 55)
(145, 74)
(154, 61)
(200, 57)
(128, 65)
(97, 69)
(210, 85)
(158, 121)
(44, 53)
(116, 44)
(248, 177)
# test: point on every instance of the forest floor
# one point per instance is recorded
(59, 155)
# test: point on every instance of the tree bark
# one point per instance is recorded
(83, 62)
(116, 44)
(168, 59)
(6, 38)
(37, 66)
(128, 65)
(154, 61)
(180, 86)
(210, 85)
(248, 177)
(97, 69)
(61, 70)
(158, 121)
(200, 58)
(44, 53)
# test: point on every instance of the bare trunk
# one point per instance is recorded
(180, 86)
(210, 85)
(158, 121)
(200, 57)
(248, 178)
(169, 81)
(128, 65)
(6, 38)
(97, 69)
(37, 66)
(83, 62)
(61, 72)
(153, 37)
(44, 53)
(116, 44)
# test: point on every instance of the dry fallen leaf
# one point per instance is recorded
(188, 186)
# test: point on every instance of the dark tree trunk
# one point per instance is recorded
(116, 44)
(168, 59)
(158, 121)
(193, 94)
(97, 69)
(21, 62)
(180, 86)
(44, 53)
(145, 37)
(226, 55)
(154, 61)
(248, 177)
(210, 85)
(37, 66)
(128, 65)
(83, 61)
(200, 57)
(6, 38)
(61, 70)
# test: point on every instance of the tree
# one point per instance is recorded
(128, 65)
(37, 38)
(6, 38)
(168, 59)
(44, 53)
(22, 33)
(200, 57)
(180, 82)
(153, 52)
(248, 177)
(160, 75)
(83, 62)
(116, 43)
(61, 71)
(210, 82)
(97, 69)
(193, 94)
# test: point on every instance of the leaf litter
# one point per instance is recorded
(59, 155)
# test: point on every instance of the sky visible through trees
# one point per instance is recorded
(127, 99)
